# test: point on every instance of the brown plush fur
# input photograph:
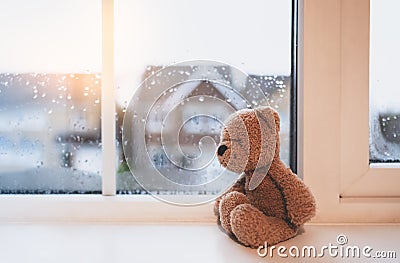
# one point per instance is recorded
(281, 203)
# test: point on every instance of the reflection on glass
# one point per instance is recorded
(384, 92)
(50, 140)
(151, 35)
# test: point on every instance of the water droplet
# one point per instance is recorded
(201, 98)
(50, 112)
(85, 94)
(97, 101)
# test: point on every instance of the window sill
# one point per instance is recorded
(98, 208)
(173, 243)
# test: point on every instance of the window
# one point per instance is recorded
(384, 93)
(50, 136)
(333, 135)
(151, 41)
(335, 128)
(68, 56)
(50, 94)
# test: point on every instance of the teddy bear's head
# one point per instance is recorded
(250, 140)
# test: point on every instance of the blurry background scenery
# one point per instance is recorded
(254, 36)
(50, 79)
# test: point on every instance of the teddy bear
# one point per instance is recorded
(268, 204)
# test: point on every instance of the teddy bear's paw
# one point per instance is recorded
(226, 205)
(253, 228)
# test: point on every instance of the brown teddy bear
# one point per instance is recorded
(268, 203)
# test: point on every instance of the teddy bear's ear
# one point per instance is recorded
(266, 112)
(267, 119)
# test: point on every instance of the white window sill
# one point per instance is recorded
(171, 243)
(98, 208)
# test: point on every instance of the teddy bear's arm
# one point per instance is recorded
(238, 186)
(299, 201)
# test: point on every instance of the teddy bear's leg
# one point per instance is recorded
(238, 187)
(253, 228)
(227, 204)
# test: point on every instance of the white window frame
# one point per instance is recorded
(335, 126)
(332, 158)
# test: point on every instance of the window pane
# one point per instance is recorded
(254, 36)
(384, 92)
(50, 96)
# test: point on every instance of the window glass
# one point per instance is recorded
(253, 36)
(384, 91)
(50, 140)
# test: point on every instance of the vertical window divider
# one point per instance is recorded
(108, 100)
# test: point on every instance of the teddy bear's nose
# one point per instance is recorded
(222, 149)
